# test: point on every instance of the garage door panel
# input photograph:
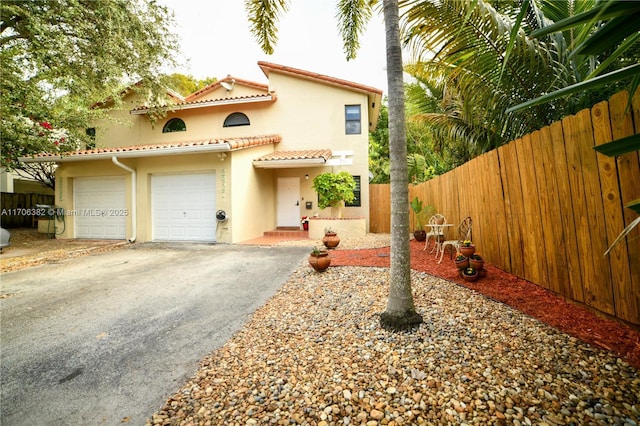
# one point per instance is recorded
(183, 207)
(94, 198)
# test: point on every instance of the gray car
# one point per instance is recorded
(5, 237)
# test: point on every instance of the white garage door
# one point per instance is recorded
(184, 207)
(100, 207)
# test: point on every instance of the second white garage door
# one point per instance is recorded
(184, 207)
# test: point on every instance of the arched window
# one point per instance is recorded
(236, 119)
(174, 125)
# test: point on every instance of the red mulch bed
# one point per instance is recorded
(520, 294)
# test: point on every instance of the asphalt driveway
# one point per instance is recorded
(106, 338)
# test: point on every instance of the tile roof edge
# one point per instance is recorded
(245, 141)
(227, 79)
(316, 76)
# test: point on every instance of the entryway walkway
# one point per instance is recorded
(278, 235)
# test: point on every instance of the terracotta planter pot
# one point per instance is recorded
(320, 262)
(470, 277)
(330, 240)
(476, 264)
(467, 251)
(462, 264)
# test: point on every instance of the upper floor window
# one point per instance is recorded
(352, 119)
(174, 125)
(236, 119)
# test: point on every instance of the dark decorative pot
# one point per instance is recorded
(420, 234)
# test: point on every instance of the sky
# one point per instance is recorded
(216, 42)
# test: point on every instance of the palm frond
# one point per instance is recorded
(264, 16)
(352, 16)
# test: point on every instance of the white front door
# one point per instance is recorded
(183, 207)
(100, 207)
(289, 202)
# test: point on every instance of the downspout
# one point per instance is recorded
(134, 196)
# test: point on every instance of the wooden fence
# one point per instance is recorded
(546, 207)
(18, 209)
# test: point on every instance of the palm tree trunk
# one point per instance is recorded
(400, 312)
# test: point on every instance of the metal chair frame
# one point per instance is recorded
(435, 231)
(464, 233)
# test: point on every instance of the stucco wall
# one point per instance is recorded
(322, 125)
(122, 129)
(344, 228)
(252, 192)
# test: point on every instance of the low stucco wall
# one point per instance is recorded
(345, 227)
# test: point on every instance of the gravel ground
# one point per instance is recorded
(314, 354)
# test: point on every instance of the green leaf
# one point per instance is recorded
(602, 11)
(621, 74)
(514, 35)
(634, 205)
(609, 35)
(620, 146)
(613, 57)
(623, 234)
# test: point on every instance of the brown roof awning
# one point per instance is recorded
(291, 159)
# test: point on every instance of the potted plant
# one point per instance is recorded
(467, 248)
(330, 239)
(334, 189)
(461, 261)
(470, 274)
(476, 261)
(305, 223)
(422, 214)
(319, 259)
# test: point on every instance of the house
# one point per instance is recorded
(227, 163)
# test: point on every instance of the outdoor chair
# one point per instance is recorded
(464, 233)
(436, 232)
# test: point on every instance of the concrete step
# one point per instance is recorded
(288, 233)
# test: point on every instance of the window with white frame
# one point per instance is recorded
(352, 118)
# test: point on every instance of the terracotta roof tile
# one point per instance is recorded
(296, 155)
(227, 79)
(268, 66)
(234, 143)
(177, 106)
